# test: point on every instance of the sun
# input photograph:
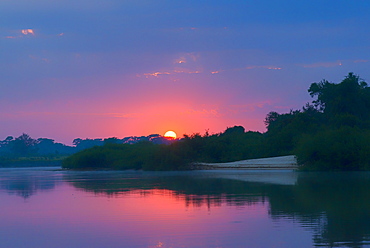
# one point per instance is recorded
(170, 134)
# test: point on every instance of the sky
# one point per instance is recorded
(115, 68)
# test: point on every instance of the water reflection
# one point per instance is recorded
(26, 182)
(196, 189)
(335, 206)
(343, 197)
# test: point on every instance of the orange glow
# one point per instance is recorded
(27, 31)
(170, 134)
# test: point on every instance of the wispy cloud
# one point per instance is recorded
(20, 33)
(155, 74)
(173, 72)
(186, 57)
(361, 61)
(215, 72)
(323, 64)
(28, 31)
(204, 112)
(263, 67)
(46, 60)
(252, 67)
(198, 71)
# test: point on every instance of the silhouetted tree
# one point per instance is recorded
(236, 130)
(271, 118)
(23, 145)
(349, 99)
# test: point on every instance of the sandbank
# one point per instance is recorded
(282, 162)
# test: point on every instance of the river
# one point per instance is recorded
(49, 207)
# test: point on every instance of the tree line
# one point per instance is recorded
(330, 133)
(232, 144)
(25, 146)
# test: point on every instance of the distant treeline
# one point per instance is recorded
(330, 133)
(233, 144)
(26, 151)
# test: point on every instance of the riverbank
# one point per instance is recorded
(282, 162)
(30, 162)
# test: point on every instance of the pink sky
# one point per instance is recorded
(135, 68)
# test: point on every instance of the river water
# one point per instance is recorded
(47, 207)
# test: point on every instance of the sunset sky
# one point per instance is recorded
(116, 68)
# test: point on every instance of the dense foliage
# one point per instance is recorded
(233, 144)
(331, 134)
(343, 148)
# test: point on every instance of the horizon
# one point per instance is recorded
(86, 69)
(178, 137)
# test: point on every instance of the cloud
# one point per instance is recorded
(214, 112)
(198, 71)
(361, 61)
(187, 57)
(173, 72)
(215, 72)
(28, 31)
(323, 64)
(46, 60)
(181, 60)
(268, 67)
(155, 74)
(20, 33)
(187, 71)
(193, 56)
(263, 67)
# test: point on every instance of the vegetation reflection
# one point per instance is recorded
(333, 205)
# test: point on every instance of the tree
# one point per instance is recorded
(23, 145)
(236, 130)
(5, 142)
(77, 141)
(350, 97)
(271, 118)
